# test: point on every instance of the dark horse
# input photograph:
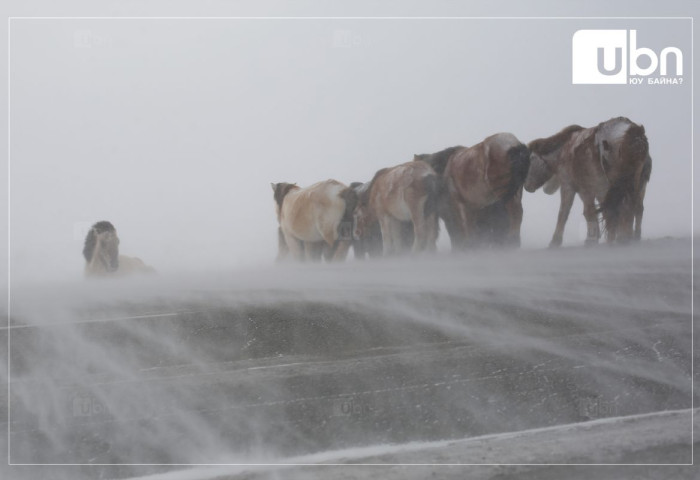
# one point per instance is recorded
(482, 201)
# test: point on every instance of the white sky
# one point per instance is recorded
(173, 129)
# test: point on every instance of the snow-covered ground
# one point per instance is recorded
(518, 357)
(651, 438)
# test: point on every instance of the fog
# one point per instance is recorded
(173, 129)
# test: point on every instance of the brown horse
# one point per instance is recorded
(624, 155)
(398, 195)
(311, 219)
(367, 235)
(101, 252)
(609, 163)
(484, 182)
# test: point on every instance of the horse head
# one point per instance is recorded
(361, 214)
(280, 190)
(538, 174)
(102, 246)
(544, 157)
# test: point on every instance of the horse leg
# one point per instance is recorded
(313, 251)
(295, 246)
(419, 229)
(591, 214)
(514, 209)
(567, 200)
(387, 235)
(465, 222)
(451, 215)
(433, 229)
(639, 213)
(341, 250)
(327, 251)
(626, 231)
(282, 248)
(392, 235)
(638, 222)
(359, 249)
(471, 229)
(399, 234)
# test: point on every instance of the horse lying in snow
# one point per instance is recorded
(101, 252)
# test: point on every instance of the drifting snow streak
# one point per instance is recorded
(554, 444)
(294, 360)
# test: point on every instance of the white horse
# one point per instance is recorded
(310, 220)
(101, 252)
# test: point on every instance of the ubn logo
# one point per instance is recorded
(601, 56)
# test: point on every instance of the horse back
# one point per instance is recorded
(308, 211)
(395, 181)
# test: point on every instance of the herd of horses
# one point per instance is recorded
(476, 191)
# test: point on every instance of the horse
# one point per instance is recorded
(483, 185)
(608, 163)
(315, 221)
(493, 225)
(396, 196)
(101, 252)
(367, 239)
(624, 155)
(367, 235)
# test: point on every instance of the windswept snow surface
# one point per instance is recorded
(577, 355)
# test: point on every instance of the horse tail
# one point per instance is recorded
(434, 187)
(633, 156)
(349, 196)
(645, 173)
(519, 158)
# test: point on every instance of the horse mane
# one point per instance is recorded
(91, 238)
(438, 160)
(615, 120)
(363, 197)
(544, 146)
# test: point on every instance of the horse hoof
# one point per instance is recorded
(591, 242)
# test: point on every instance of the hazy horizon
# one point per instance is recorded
(173, 129)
